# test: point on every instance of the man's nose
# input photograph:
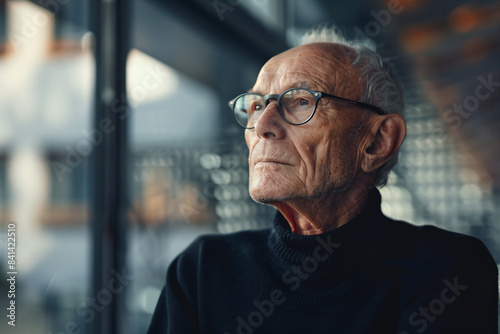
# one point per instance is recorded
(269, 124)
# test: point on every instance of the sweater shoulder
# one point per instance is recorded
(432, 244)
(227, 244)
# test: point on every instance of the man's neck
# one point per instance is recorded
(316, 216)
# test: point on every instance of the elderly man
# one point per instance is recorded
(323, 128)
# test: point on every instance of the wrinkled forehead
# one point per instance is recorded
(319, 66)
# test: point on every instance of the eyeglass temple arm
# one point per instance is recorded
(366, 105)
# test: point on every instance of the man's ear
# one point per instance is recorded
(386, 133)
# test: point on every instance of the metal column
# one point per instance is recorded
(111, 28)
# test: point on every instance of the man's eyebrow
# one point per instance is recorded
(299, 84)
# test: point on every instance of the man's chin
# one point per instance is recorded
(267, 201)
(267, 197)
(268, 189)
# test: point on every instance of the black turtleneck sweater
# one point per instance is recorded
(371, 275)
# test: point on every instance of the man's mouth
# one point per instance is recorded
(271, 162)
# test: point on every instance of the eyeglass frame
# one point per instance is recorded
(317, 96)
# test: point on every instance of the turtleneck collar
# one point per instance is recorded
(294, 248)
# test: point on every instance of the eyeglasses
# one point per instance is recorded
(296, 106)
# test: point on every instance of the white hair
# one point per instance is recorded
(382, 88)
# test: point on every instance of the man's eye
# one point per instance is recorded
(303, 102)
(258, 107)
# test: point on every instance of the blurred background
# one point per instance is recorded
(176, 160)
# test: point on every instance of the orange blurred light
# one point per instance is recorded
(417, 39)
(464, 18)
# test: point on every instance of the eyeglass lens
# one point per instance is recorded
(295, 106)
